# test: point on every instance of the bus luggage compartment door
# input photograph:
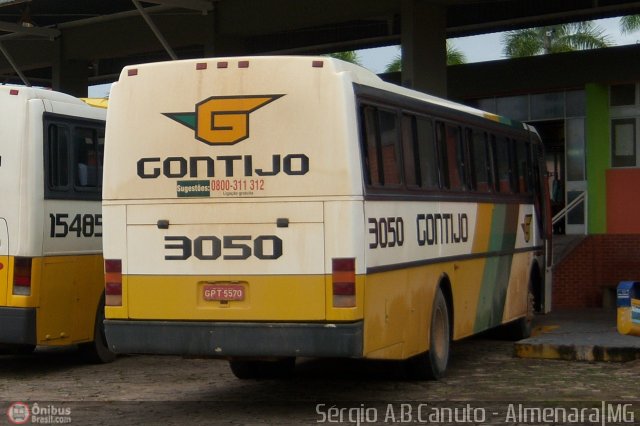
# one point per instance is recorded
(226, 261)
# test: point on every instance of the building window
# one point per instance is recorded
(622, 95)
(623, 141)
(625, 116)
(547, 106)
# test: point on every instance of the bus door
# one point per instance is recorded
(4, 261)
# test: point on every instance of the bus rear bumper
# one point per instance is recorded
(17, 325)
(235, 339)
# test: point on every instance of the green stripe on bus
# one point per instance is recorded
(495, 278)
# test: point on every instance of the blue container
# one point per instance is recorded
(628, 302)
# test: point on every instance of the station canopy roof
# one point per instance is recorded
(106, 35)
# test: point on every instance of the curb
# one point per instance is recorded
(575, 352)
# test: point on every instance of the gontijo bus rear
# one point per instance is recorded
(261, 209)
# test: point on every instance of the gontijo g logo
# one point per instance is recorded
(222, 120)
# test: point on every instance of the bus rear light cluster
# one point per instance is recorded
(113, 282)
(344, 282)
(22, 276)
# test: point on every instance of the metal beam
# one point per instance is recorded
(9, 59)
(155, 30)
(10, 27)
(199, 5)
(12, 2)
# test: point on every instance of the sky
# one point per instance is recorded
(486, 47)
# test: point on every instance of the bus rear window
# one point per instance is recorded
(58, 146)
(73, 151)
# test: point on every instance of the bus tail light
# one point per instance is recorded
(22, 276)
(113, 282)
(344, 282)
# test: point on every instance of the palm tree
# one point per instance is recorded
(454, 57)
(348, 56)
(554, 39)
(629, 24)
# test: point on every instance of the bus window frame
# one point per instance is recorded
(71, 191)
(366, 95)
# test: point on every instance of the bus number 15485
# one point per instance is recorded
(83, 225)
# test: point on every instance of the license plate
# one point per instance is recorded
(223, 292)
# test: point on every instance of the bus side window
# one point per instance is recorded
(389, 147)
(481, 170)
(420, 157)
(503, 166)
(428, 153)
(372, 170)
(523, 165)
(455, 158)
(410, 151)
(441, 144)
(58, 159)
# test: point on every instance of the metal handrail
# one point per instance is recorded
(569, 207)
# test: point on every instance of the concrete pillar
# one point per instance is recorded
(216, 45)
(424, 52)
(69, 75)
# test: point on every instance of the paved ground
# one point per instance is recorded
(170, 390)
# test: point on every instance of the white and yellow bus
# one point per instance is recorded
(51, 265)
(265, 208)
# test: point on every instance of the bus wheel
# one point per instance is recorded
(97, 352)
(433, 363)
(522, 327)
(254, 369)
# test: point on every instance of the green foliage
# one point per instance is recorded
(554, 39)
(454, 57)
(395, 65)
(348, 56)
(629, 24)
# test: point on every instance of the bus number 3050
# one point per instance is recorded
(232, 247)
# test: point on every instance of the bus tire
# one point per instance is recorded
(98, 352)
(522, 327)
(432, 364)
(258, 369)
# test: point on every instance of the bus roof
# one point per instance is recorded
(39, 93)
(356, 73)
